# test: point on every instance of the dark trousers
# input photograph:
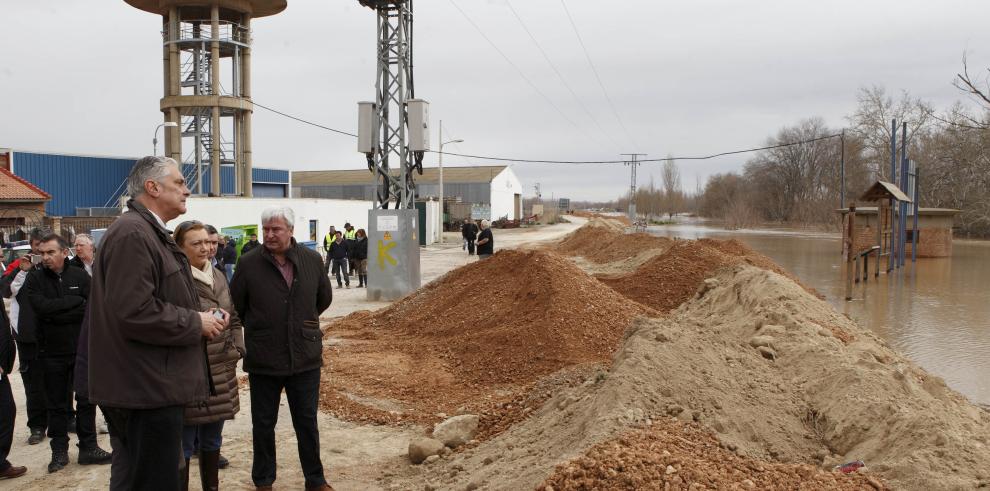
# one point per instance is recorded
(147, 447)
(33, 376)
(58, 397)
(85, 422)
(470, 246)
(8, 412)
(207, 437)
(303, 392)
(340, 266)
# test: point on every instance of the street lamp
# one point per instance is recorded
(442, 143)
(154, 141)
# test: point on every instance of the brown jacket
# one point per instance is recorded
(146, 347)
(223, 352)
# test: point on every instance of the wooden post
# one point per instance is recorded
(850, 249)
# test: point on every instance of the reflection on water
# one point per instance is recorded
(936, 311)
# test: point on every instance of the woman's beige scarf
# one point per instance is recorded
(204, 275)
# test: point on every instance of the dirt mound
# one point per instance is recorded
(601, 241)
(616, 217)
(671, 278)
(640, 460)
(491, 327)
(753, 359)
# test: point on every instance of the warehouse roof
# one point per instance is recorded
(363, 176)
(13, 188)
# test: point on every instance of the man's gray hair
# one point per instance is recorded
(145, 169)
(283, 212)
(485, 224)
(86, 237)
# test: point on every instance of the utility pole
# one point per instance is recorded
(442, 143)
(633, 162)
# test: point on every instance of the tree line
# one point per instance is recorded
(800, 184)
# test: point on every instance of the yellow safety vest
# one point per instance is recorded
(351, 235)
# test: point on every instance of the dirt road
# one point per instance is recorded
(354, 455)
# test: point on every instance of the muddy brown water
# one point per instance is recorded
(936, 311)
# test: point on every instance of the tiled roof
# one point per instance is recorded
(14, 188)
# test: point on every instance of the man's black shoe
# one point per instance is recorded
(37, 436)
(223, 463)
(60, 459)
(95, 455)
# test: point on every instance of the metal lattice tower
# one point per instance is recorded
(633, 162)
(207, 83)
(393, 89)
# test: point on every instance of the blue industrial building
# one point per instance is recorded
(77, 181)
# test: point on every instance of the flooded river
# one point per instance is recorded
(936, 311)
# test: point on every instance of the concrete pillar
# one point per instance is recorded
(173, 136)
(247, 168)
(246, 179)
(215, 88)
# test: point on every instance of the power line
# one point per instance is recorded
(706, 157)
(537, 161)
(597, 76)
(304, 121)
(563, 80)
(518, 70)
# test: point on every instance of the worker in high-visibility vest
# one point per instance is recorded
(350, 237)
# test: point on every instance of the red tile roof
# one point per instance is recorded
(14, 188)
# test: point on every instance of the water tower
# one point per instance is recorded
(206, 54)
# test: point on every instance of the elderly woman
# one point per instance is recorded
(204, 422)
(486, 243)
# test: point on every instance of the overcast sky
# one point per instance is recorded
(685, 78)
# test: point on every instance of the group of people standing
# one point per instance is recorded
(148, 328)
(347, 255)
(478, 235)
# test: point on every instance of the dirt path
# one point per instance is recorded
(355, 455)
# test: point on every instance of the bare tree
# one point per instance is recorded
(673, 196)
(871, 122)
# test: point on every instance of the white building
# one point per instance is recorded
(494, 186)
(313, 216)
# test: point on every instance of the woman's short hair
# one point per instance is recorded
(186, 227)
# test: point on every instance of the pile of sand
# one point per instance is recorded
(616, 217)
(670, 454)
(753, 359)
(672, 277)
(604, 241)
(491, 327)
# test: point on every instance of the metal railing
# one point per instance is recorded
(227, 32)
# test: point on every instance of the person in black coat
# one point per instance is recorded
(229, 258)
(470, 233)
(8, 411)
(486, 243)
(279, 293)
(337, 256)
(250, 244)
(58, 294)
